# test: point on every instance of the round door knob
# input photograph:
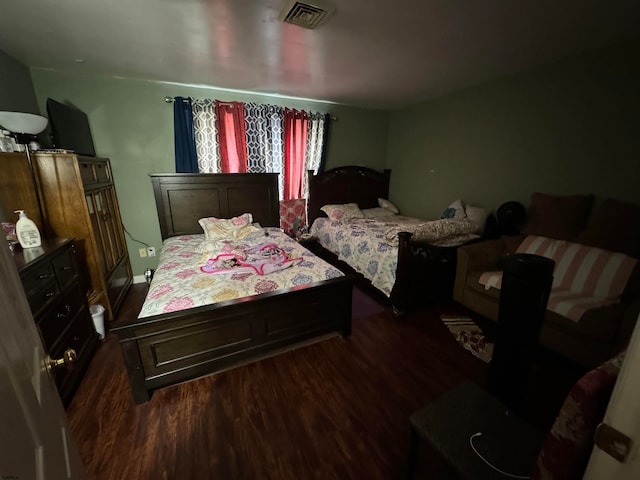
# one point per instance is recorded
(68, 359)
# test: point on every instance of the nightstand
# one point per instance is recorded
(310, 243)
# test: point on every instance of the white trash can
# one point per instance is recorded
(97, 314)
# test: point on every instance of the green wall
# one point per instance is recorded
(133, 126)
(16, 87)
(569, 127)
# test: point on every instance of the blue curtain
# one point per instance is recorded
(184, 136)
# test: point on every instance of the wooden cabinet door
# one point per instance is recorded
(114, 224)
(107, 230)
(94, 207)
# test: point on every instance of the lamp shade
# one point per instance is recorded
(19, 122)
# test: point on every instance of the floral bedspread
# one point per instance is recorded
(179, 283)
(370, 246)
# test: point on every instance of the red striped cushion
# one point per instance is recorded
(573, 305)
(584, 277)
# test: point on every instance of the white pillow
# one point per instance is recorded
(338, 213)
(377, 212)
(477, 215)
(456, 211)
(384, 203)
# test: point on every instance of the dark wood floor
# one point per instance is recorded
(335, 409)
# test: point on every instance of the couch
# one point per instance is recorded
(614, 226)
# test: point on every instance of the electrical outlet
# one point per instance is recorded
(143, 252)
(151, 251)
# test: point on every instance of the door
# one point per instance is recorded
(34, 436)
(623, 414)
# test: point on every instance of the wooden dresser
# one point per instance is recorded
(51, 281)
(79, 201)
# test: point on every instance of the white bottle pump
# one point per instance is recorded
(27, 231)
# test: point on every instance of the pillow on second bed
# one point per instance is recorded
(377, 212)
(389, 205)
(345, 211)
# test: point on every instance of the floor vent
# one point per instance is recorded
(306, 15)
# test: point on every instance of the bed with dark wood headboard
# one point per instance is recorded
(166, 349)
(423, 271)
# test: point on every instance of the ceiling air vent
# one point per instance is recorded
(306, 14)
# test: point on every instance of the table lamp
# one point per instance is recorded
(24, 127)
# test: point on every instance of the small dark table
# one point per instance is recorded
(446, 426)
(310, 243)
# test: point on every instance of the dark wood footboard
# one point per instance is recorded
(163, 350)
(424, 273)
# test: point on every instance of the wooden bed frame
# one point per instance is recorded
(424, 272)
(163, 350)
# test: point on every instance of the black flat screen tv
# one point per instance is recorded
(70, 128)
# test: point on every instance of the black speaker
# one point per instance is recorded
(526, 283)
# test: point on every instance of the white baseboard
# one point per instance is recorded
(139, 279)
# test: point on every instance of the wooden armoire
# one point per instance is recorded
(79, 201)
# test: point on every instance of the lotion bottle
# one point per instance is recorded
(27, 231)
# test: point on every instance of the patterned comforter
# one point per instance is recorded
(179, 283)
(370, 246)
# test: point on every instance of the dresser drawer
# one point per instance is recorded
(58, 319)
(103, 175)
(87, 173)
(37, 278)
(65, 267)
(80, 337)
(38, 299)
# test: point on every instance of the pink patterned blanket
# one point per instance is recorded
(261, 259)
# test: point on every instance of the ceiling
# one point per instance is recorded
(370, 53)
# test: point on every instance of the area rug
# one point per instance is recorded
(469, 335)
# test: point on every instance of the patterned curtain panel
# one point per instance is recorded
(265, 139)
(315, 147)
(206, 132)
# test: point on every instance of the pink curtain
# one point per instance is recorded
(295, 145)
(231, 136)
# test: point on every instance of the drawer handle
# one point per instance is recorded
(67, 268)
(67, 307)
(49, 294)
(42, 276)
